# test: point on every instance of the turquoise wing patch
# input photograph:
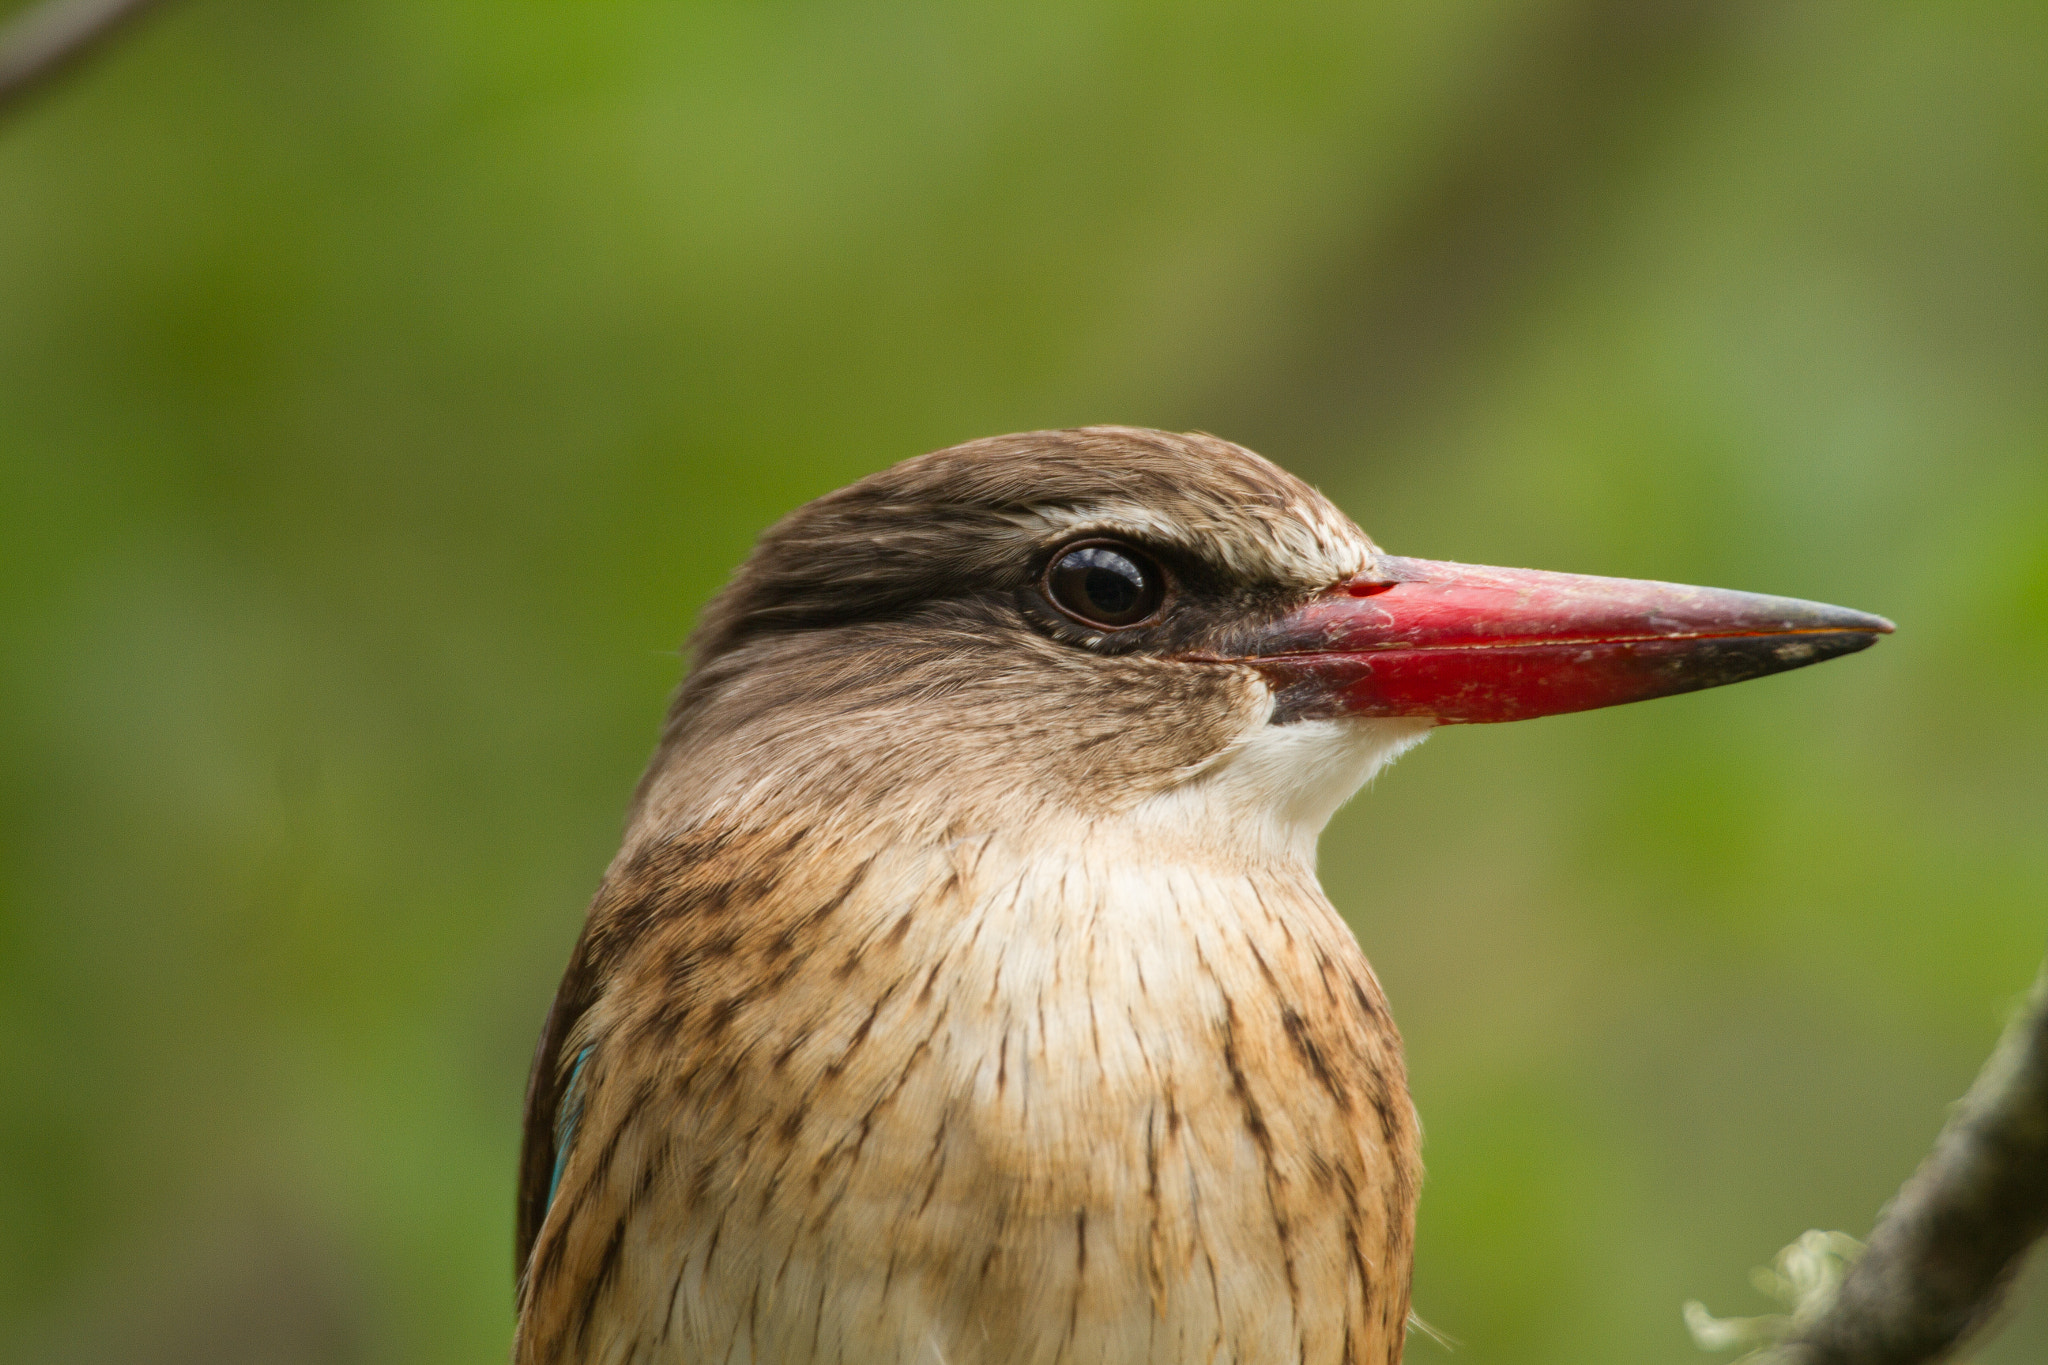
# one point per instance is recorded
(566, 1118)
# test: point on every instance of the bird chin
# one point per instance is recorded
(1280, 784)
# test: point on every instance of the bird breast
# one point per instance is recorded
(968, 1102)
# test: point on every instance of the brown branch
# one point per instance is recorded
(45, 40)
(1949, 1244)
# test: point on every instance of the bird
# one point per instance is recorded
(962, 992)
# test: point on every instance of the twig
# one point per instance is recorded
(1950, 1242)
(44, 40)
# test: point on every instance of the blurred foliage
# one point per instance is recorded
(383, 386)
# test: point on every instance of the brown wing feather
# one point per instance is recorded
(544, 1085)
(672, 877)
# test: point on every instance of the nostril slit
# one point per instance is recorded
(1361, 587)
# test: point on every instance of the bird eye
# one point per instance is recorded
(1105, 585)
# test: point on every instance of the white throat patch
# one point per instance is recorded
(1272, 793)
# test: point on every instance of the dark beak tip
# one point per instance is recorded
(1803, 618)
(1864, 627)
(1846, 642)
(1829, 617)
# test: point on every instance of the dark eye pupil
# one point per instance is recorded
(1110, 592)
(1105, 585)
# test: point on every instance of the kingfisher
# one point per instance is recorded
(962, 992)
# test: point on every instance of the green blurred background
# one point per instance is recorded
(383, 386)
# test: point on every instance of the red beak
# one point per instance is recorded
(1465, 644)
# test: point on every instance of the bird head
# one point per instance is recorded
(1115, 622)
